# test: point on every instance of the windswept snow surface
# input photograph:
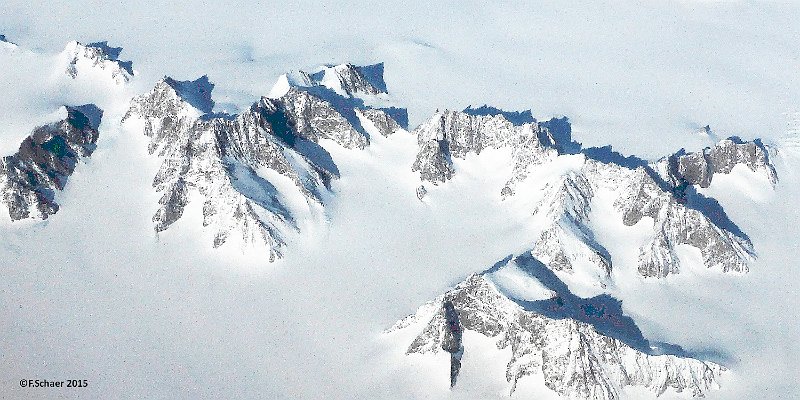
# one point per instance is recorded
(93, 293)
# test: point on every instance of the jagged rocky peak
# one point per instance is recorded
(224, 158)
(332, 99)
(171, 108)
(677, 220)
(679, 214)
(383, 119)
(197, 92)
(566, 240)
(582, 348)
(204, 156)
(352, 80)
(315, 118)
(344, 79)
(30, 178)
(169, 94)
(698, 168)
(450, 134)
(79, 58)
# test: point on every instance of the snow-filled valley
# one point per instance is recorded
(169, 238)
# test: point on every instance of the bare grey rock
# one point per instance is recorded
(573, 357)
(676, 224)
(566, 238)
(383, 122)
(347, 80)
(315, 119)
(221, 159)
(453, 134)
(656, 190)
(44, 162)
(433, 162)
(451, 340)
(698, 168)
(421, 192)
(351, 79)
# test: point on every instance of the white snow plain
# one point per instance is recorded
(92, 293)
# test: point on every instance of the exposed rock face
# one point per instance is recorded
(451, 134)
(676, 224)
(79, 57)
(315, 119)
(332, 96)
(224, 159)
(567, 238)
(680, 218)
(698, 168)
(576, 360)
(451, 339)
(345, 80)
(433, 162)
(350, 80)
(217, 158)
(44, 162)
(382, 121)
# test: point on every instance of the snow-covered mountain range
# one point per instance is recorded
(255, 174)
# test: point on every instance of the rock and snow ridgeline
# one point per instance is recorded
(679, 217)
(45, 160)
(237, 167)
(79, 59)
(583, 348)
(220, 157)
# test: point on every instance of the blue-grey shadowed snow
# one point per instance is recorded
(245, 53)
(219, 115)
(374, 75)
(196, 92)
(515, 117)
(711, 208)
(400, 115)
(608, 155)
(113, 53)
(318, 156)
(86, 114)
(4, 39)
(707, 206)
(256, 188)
(561, 130)
(761, 146)
(603, 312)
(313, 152)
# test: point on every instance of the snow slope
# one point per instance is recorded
(93, 293)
